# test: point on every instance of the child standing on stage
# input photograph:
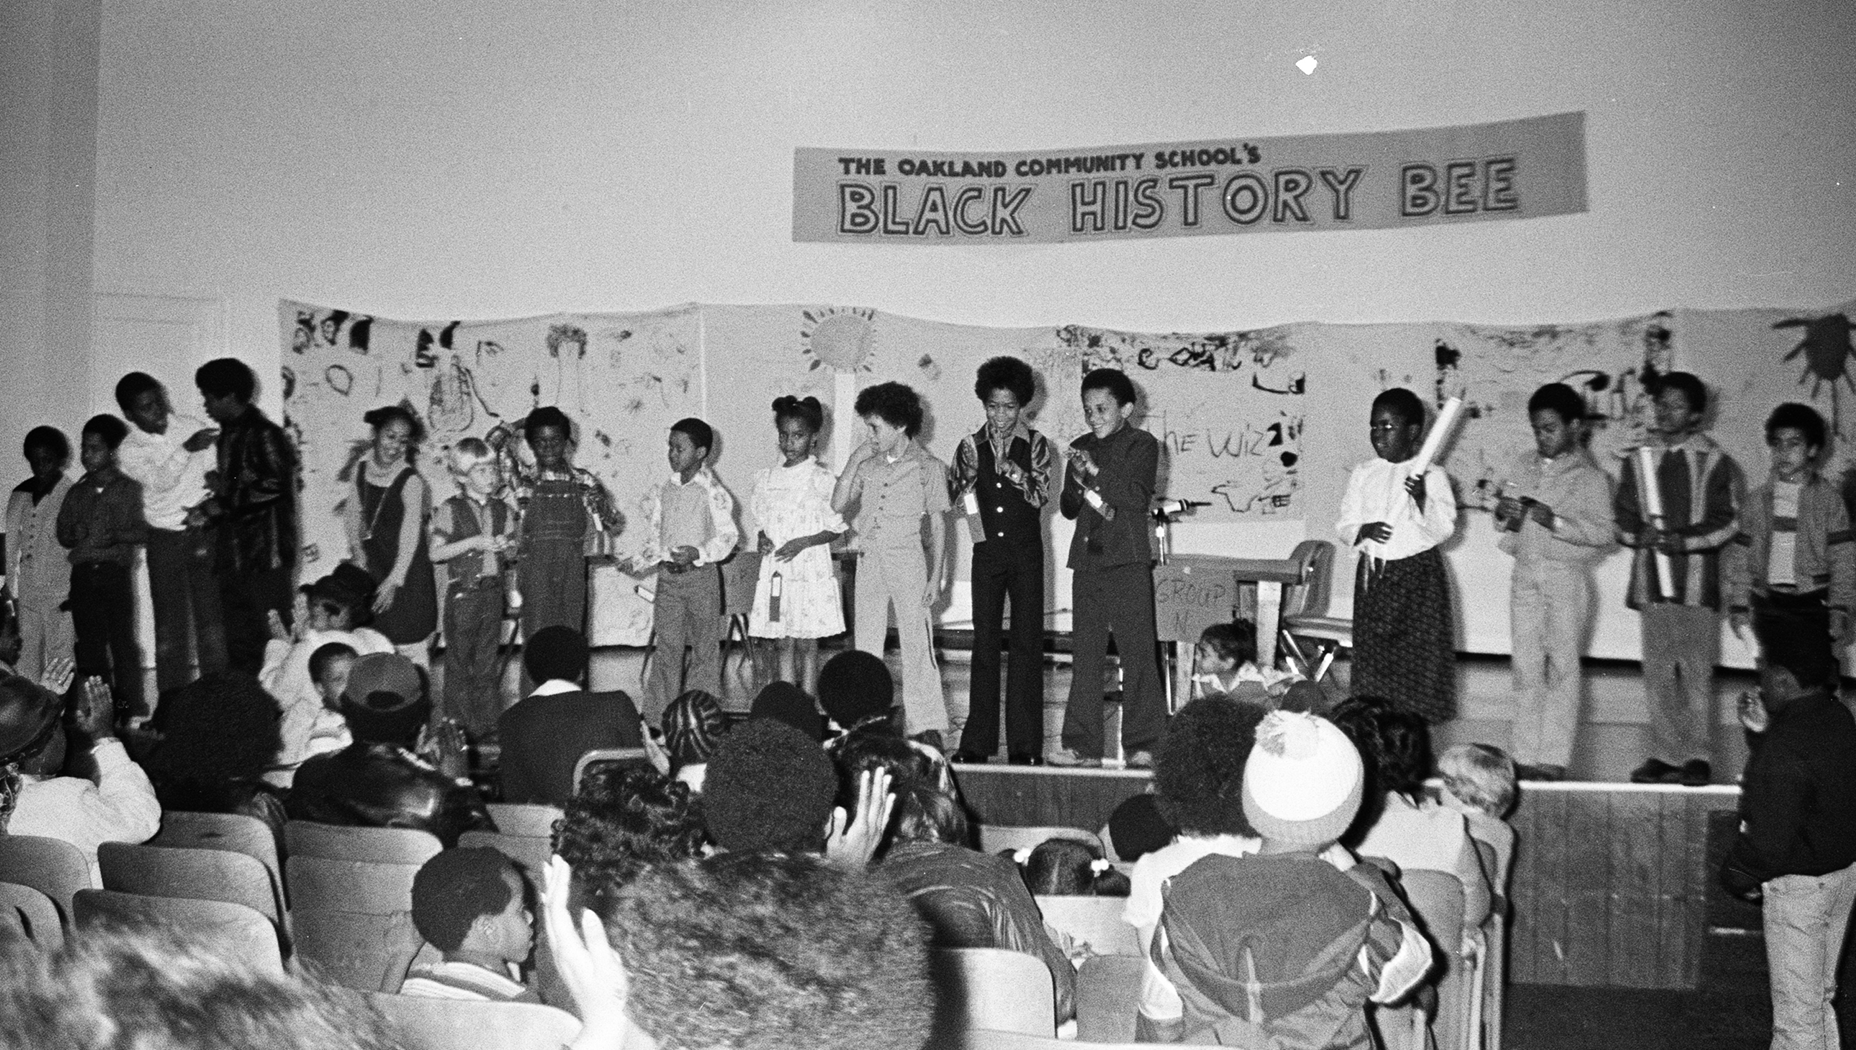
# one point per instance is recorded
(1555, 518)
(1701, 489)
(1106, 491)
(792, 504)
(1791, 570)
(473, 534)
(1403, 631)
(1002, 474)
(690, 530)
(895, 483)
(101, 523)
(38, 576)
(566, 514)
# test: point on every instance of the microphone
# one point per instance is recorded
(1168, 508)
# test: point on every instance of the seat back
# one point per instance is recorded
(529, 851)
(31, 914)
(995, 837)
(1095, 921)
(303, 838)
(1108, 997)
(1310, 597)
(54, 867)
(235, 832)
(356, 886)
(1438, 899)
(193, 874)
(985, 1040)
(237, 932)
(449, 1024)
(606, 754)
(523, 818)
(991, 988)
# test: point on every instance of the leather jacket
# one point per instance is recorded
(385, 786)
(254, 495)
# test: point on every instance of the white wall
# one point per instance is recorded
(475, 158)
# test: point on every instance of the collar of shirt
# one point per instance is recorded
(702, 476)
(1020, 432)
(554, 686)
(911, 449)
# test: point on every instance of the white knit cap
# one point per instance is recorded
(1304, 780)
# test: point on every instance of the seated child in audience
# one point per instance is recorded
(471, 904)
(626, 818)
(1137, 828)
(328, 668)
(1282, 947)
(326, 613)
(693, 726)
(1070, 868)
(1479, 782)
(1225, 661)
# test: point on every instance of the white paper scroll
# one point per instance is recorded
(1440, 431)
(1653, 507)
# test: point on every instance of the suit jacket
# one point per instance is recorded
(543, 738)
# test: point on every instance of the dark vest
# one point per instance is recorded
(465, 569)
(1008, 519)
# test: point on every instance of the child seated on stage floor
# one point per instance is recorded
(1404, 633)
(472, 904)
(1225, 662)
(1284, 947)
(325, 613)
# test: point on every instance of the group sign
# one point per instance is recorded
(1514, 169)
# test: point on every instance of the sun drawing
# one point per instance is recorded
(838, 338)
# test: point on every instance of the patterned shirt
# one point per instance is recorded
(675, 517)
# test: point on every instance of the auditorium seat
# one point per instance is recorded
(1095, 921)
(237, 932)
(30, 914)
(451, 1024)
(194, 874)
(304, 838)
(991, 988)
(236, 832)
(524, 818)
(349, 916)
(54, 867)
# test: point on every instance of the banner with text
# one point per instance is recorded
(1515, 169)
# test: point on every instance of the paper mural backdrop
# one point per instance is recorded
(1512, 169)
(1261, 425)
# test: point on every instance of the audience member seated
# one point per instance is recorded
(1479, 782)
(859, 696)
(327, 612)
(1283, 947)
(786, 702)
(1137, 828)
(328, 668)
(472, 905)
(377, 781)
(771, 788)
(544, 734)
(219, 737)
(117, 804)
(693, 725)
(969, 899)
(745, 950)
(625, 819)
(1397, 822)
(163, 990)
(1070, 868)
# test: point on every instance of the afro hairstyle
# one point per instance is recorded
(1009, 374)
(1559, 399)
(555, 652)
(1404, 404)
(769, 950)
(546, 416)
(456, 888)
(132, 386)
(111, 429)
(1199, 769)
(769, 787)
(219, 728)
(623, 819)
(1113, 380)
(224, 376)
(1802, 418)
(855, 686)
(893, 403)
(1694, 391)
(50, 439)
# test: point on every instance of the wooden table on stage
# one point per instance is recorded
(1193, 591)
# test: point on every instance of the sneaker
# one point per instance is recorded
(1141, 760)
(1063, 756)
(1696, 772)
(1656, 771)
(1543, 773)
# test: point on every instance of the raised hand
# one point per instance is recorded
(854, 838)
(57, 675)
(591, 970)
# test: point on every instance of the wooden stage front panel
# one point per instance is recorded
(1611, 883)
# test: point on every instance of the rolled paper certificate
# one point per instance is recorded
(1653, 506)
(1440, 430)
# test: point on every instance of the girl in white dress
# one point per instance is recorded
(792, 503)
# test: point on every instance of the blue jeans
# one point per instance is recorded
(1806, 917)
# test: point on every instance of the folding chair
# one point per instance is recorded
(1438, 899)
(521, 818)
(235, 832)
(450, 1024)
(622, 755)
(994, 837)
(31, 914)
(992, 988)
(1493, 838)
(740, 576)
(191, 874)
(1306, 623)
(236, 931)
(1095, 921)
(342, 916)
(529, 851)
(1108, 998)
(54, 867)
(303, 838)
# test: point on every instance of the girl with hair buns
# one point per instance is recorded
(386, 532)
(796, 601)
